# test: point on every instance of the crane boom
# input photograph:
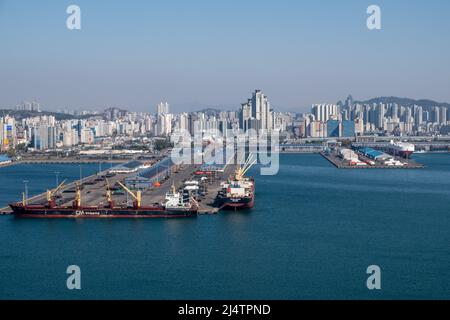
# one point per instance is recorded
(248, 160)
(137, 196)
(249, 167)
(241, 171)
(249, 164)
(127, 190)
(51, 193)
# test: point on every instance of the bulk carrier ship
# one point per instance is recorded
(238, 193)
(174, 207)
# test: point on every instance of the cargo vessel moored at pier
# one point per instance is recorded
(401, 149)
(238, 193)
(170, 209)
(40, 211)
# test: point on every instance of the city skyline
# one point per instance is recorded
(204, 54)
(34, 104)
(228, 157)
(347, 119)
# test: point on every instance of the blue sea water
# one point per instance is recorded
(39, 177)
(313, 233)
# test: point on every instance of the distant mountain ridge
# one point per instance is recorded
(406, 102)
(21, 114)
(211, 111)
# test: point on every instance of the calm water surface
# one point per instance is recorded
(312, 234)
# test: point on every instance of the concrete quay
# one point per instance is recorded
(94, 188)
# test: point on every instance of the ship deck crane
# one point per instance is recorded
(109, 195)
(242, 170)
(52, 193)
(77, 201)
(137, 197)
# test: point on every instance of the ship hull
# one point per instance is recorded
(238, 204)
(401, 153)
(98, 213)
(405, 154)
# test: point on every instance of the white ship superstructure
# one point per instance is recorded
(402, 149)
(175, 201)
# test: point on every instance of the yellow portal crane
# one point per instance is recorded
(137, 197)
(52, 193)
(109, 195)
(77, 202)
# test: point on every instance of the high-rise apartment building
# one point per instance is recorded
(256, 113)
(325, 112)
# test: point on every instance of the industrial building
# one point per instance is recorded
(374, 154)
(148, 177)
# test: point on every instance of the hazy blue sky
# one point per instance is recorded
(202, 53)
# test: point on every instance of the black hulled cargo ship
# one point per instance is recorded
(40, 211)
(50, 210)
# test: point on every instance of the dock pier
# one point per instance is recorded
(94, 188)
(340, 163)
